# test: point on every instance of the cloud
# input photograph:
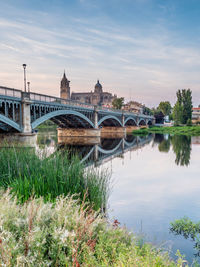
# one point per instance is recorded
(125, 58)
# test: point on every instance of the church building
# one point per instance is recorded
(96, 97)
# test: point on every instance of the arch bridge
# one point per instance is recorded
(23, 112)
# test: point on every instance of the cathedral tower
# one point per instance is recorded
(64, 88)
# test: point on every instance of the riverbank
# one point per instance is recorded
(67, 233)
(29, 174)
(176, 130)
(50, 216)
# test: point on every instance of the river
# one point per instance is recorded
(154, 180)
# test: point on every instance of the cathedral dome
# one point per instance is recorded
(98, 88)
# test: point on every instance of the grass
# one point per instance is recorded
(47, 125)
(67, 233)
(178, 130)
(28, 175)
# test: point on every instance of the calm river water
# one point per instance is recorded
(155, 180)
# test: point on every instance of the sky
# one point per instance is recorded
(143, 50)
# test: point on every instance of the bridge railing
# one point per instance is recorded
(54, 99)
(10, 92)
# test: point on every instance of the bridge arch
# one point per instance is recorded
(10, 123)
(130, 119)
(57, 113)
(141, 122)
(149, 122)
(112, 118)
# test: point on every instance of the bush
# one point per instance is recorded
(67, 233)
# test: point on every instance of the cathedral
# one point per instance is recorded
(96, 97)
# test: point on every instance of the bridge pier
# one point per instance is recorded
(26, 114)
(129, 128)
(80, 132)
(110, 132)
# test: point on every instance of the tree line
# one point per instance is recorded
(181, 113)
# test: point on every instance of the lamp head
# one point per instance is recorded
(24, 66)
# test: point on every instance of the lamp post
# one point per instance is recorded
(28, 83)
(24, 66)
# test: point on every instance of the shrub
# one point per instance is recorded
(66, 233)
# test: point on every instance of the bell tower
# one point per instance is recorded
(64, 87)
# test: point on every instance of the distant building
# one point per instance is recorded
(98, 97)
(134, 106)
(196, 114)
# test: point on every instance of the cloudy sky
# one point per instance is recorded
(143, 50)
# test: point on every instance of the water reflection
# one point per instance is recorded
(105, 150)
(96, 150)
(180, 144)
(182, 148)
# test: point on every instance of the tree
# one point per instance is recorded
(177, 113)
(147, 111)
(183, 108)
(187, 105)
(165, 107)
(118, 102)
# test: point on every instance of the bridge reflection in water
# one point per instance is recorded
(105, 149)
(91, 151)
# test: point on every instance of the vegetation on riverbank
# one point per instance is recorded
(189, 230)
(176, 130)
(29, 174)
(67, 233)
(47, 125)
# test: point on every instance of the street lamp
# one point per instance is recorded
(24, 66)
(28, 83)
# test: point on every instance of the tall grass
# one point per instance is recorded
(67, 233)
(27, 174)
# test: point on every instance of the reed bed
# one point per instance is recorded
(28, 175)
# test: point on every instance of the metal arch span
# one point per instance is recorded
(143, 121)
(10, 122)
(58, 113)
(109, 117)
(129, 118)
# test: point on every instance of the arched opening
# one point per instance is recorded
(142, 123)
(130, 122)
(65, 119)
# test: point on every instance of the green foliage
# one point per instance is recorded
(47, 125)
(147, 111)
(178, 130)
(189, 122)
(187, 229)
(118, 103)
(183, 108)
(27, 174)
(177, 114)
(66, 233)
(165, 107)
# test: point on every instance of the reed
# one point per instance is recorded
(26, 174)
